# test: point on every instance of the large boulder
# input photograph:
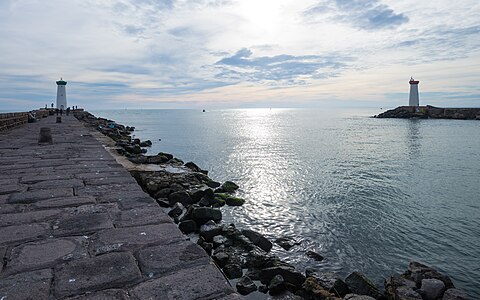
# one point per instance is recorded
(229, 187)
(400, 288)
(246, 285)
(332, 283)
(276, 285)
(454, 294)
(431, 289)
(258, 239)
(314, 290)
(209, 230)
(180, 196)
(202, 215)
(359, 284)
(417, 272)
(289, 275)
(232, 271)
(188, 226)
(176, 210)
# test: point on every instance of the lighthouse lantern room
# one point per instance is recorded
(61, 94)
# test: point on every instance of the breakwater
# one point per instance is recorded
(133, 150)
(432, 112)
(75, 224)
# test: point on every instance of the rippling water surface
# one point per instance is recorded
(368, 194)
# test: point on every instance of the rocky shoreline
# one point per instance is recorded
(431, 112)
(193, 200)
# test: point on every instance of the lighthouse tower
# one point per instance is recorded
(413, 100)
(61, 94)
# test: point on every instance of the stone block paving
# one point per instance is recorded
(75, 225)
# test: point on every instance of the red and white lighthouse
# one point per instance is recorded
(413, 100)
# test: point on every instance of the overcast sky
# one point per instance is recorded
(245, 53)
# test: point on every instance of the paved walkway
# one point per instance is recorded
(75, 225)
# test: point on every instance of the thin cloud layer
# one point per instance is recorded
(226, 53)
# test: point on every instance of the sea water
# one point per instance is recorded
(367, 194)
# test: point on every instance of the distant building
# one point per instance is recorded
(61, 94)
(413, 99)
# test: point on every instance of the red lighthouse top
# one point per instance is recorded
(413, 81)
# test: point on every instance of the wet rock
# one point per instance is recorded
(234, 201)
(245, 285)
(212, 184)
(138, 159)
(175, 161)
(358, 283)
(167, 155)
(157, 159)
(289, 274)
(133, 149)
(209, 230)
(314, 290)
(188, 226)
(199, 194)
(254, 274)
(286, 243)
(146, 143)
(181, 196)
(258, 239)
(176, 210)
(431, 289)
(315, 255)
(331, 282)
(232, 271)
(399, 288)
(417, 272)
(204, 214)
(192, 166)
(263, 289)
(406, 293)
(221, 258)
(276, 285)
(454, 294)
(229, 187)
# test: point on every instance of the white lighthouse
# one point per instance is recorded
(413, 100)
(61, 94)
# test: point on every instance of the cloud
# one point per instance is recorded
(279, 69)
(363, 14)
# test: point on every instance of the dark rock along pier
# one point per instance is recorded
(74, 223)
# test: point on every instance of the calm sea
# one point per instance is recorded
(368, 194)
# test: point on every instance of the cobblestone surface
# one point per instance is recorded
(75, 225)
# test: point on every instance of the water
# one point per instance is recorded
(368, 194)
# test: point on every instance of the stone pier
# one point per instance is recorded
(75, 225)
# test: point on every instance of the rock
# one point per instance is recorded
(314, 255)
(332, 283)
(133, 149)
(263, 289)
(199, 194)
(289, 274)
(219, 240)
(229, 186)
(276, 285)
(163, 202)
(417, 272)
(221, 258)
(286, 243)
(176, 210)
(167, 155)
(192, 166)
(209, 230)
(360, 284)
(398, 287)
(138, 159)
(136, 141)
(258, 239)
(181, 196)
(157, 159)
(146, 143)
(204, 214)
(431, 289)
(234, 201)
(175, 161)
(188, 226)
(316, 291)
(163, 193)
(212, 184)
(208, 247)
(232, 271)
(357, 297)
(245, 285)
(454, 294)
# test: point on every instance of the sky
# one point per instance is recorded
(236, 54)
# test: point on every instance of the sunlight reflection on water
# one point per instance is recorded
(368, 194)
